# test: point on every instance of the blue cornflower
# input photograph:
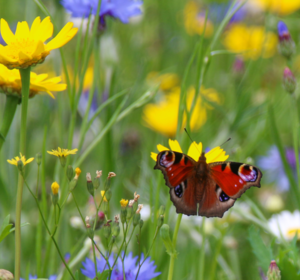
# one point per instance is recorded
(121, 9)
(273, 167)
(283, 31)
(52, 277)
(147, 270)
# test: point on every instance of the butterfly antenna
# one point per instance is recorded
(193, 140)
(225, 142)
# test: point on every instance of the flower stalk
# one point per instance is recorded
(25, 78)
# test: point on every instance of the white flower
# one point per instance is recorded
(285, 224)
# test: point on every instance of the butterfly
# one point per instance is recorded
(205, 189)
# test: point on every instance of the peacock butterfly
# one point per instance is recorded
(205, 189)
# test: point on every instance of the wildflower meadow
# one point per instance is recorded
(149, 139)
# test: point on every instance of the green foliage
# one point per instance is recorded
(263, 253)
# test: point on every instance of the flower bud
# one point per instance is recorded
(123, 203)
(73, 184)
(96, 181)
(289, 80)
(286, 44)
(136, 219)
(162, 210)
(90, 186)
(103, 194)
(107, 182)
(123, 215)
(107, 229)
(135, 206)
(38, 158)
(105, 207)
(160, 221)
(108, 194)
(129, 213)
(55, 189)
(70, 172)
(141, 223)
(100, 220)
(238, 67)
(273, 271)
(6, 275)
(140, 207)
(63, 161)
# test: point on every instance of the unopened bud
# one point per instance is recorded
(38, 159)
(141, 223)
(165, 236)
(286, 45)
(162, 210)
(70, 172)
(90, 186)
(96, 181)
(108, 194)
(140, 207)
(123, 215)
(273, 271)
(6, 275)
(136, 219)
(100, 220)
(105, 207)
(55, 189)
(129, 213)
(107, 229)
(107, 182)
(63, 161)
(289, 80)
(73, 184)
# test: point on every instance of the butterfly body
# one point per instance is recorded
(205, 189)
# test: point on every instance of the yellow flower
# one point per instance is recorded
(251, 41)
(15, 160)
(27, 46)
(77, 171)
(194, 21)
(10, 83)
(103, 195)
(280, 7)
(163, 117)
(166, 81)
(195, 150)
(55, 188)
(123, 202)
(62, 152)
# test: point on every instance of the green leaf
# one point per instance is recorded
(287, 269)
(263, 253)
(104, 275)
(5, 228)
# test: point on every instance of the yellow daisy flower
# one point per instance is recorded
(10, 83)
(15, 160)
(163, 117)
(166, 81)
(194, 21)
(280, 7)
(27, 46)
(194, 151)
(251, 41)
(123, 202)
(62, 152)
(103, 195)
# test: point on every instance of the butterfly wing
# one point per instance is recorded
(180, 176)
(234, 178)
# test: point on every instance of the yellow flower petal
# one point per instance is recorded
(162, 148)
(22, 30)
(6, 32)
(195, 150)
(215, 155)
(154, 156)
(174, 145)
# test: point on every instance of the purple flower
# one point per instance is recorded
(283, 32)
(273, 167)
(131, 266)
(121, 9)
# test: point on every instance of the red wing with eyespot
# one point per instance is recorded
(234, 178)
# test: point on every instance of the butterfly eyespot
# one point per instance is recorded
(223, 197)
(248, 173)
(178, 191)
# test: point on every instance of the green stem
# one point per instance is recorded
(8, 116)
(48, 230)
(172, 260)
(202, 253)
(25, 78)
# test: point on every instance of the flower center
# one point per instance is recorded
(292, 232)
(25, 45)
